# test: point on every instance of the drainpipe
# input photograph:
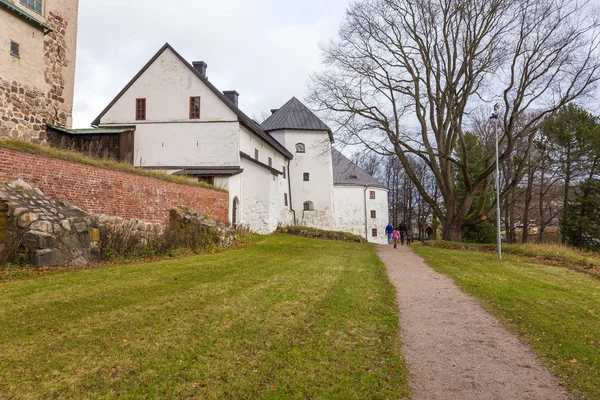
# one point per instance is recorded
(289, 179)
(366, 219)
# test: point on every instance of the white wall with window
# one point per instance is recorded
(311, 175)
(356, 211)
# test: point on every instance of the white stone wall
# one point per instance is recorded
(255, 201)
(319, 189)
(187, 144)
(233, 184)
(250, 142)
(350, 213)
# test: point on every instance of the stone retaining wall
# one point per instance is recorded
(40, 231)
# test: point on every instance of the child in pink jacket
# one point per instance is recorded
(395, 238)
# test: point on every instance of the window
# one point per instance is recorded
(372, 195)
(373, 214)
(308, 206)
(306, 177)
(140, 109)
(256, 154)
(35, 5)
(374, 232)
(284, 175)
(285, 200)
(207, 179)
(270, 162)
(14, 49)
(195, 107)
(300, 148)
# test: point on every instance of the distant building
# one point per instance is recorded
(38, 41)
(281, 172)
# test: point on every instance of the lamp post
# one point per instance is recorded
(496, 116)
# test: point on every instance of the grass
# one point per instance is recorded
(550, 254)
(73, 156)
(297, 230)
(556, 310)
(285, 317)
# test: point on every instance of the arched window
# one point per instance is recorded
(308, 206)
(234, 212)
(300, 148)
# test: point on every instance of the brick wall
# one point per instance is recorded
(104, 191)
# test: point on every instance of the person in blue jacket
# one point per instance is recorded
(389, 229)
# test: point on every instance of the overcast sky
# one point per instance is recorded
(264, 49)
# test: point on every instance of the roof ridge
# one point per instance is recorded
(295, 115)
(242, 117)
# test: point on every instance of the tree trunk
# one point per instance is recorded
(526, 206)
(452, 229)
(566, 196)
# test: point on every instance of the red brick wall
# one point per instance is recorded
(104, 191)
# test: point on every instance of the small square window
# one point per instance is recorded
(284, 175)
(373, 214)
(270, 162)
(372, 195)
(14, 49)
(374, 232)
(285, 199)
(256, 154)
(306, 177)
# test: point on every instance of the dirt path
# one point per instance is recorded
(453, 348)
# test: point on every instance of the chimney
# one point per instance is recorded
(200, 67)
(274, 110)
(232, 96)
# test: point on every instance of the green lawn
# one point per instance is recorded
(286, 317)
(555, 309)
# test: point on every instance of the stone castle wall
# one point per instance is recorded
(105, 191)
(26, 108)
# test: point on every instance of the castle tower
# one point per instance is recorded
(38, 40)
(311, 171)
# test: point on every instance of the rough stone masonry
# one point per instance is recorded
(45, 232)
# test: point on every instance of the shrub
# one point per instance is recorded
(124, 240)
(484, 232)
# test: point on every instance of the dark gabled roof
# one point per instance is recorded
(347, 173)
(294, 115)
(210, 171)
(26, 16)
(92, 131)
(242, 118)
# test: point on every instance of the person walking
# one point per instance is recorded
(402, 230)
(396, 236)
(389, 229)
(429, 232)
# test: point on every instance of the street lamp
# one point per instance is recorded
(496, 116)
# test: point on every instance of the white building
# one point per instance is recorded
(282, 172)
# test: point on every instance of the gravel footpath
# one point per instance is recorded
(453, 348)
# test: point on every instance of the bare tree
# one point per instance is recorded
(434, 61)
(369, 161)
